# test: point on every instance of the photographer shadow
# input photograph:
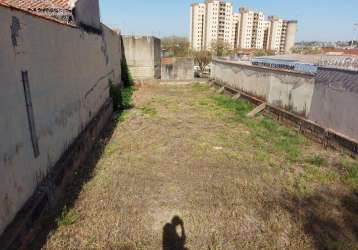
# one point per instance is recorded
(172, 239)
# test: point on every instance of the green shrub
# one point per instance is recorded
(127, 93)
(122, 98)
(116, 95)
(126, 74)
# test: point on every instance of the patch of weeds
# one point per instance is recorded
(200, 86)
(126, 76)
(203, 103)
(262, 156)
(125, 103)
(263, 130)
(161, 99)
(323, 176)
(353, 173)
(116, 95)
(121, 117)
(279, 137)
(351, 169)
(146, 110)
(67, 217)
(111, 148)
(239, 107)
(226, 102)
(127, 93)
(317, 161)
(90, 243)
(121, 98)
(301, 186)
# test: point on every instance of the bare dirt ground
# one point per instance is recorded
(185, 169)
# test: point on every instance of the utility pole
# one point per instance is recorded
(355, 28)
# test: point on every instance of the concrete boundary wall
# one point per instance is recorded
(327, 137)
(327, 100)
(143, 57)
(54, 81)
(284, 89)
(177, 69)
(335, 101)
(47, 196)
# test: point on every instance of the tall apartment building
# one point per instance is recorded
(197, 26)
(275, 32)
(250, 32)
(288, 36)
(214, 20)
(210, 22)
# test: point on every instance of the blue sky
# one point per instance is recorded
(325, 20)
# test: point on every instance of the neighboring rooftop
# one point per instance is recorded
(59, 9)
(33, 4)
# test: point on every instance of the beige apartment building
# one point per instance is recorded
(210, 22)
(250, 32)
(214, 20)
(197, 26)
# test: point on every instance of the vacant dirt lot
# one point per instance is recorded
(185, 169)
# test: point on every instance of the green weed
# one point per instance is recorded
(127, 78)
(351, 169)
(200, 87)
(317, 161)
(67, 217)
(146, 110)
(263, 129)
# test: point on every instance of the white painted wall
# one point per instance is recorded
(68, 72)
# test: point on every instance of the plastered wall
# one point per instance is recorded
(68, 72)
(329, 98)
(280, 88)
(143, 56)
(335, 101)
(176, 68)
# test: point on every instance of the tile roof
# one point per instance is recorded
(38, 4)
(58, 9)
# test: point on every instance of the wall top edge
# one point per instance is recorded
(51, 19)
(312, 75)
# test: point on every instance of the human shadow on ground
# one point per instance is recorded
(172, 239)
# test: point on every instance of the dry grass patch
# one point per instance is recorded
(234, 182)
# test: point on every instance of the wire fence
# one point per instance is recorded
(291, 65)
(339, 62)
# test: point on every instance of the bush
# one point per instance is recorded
(126, 75)
(121, 98)
(116, 95)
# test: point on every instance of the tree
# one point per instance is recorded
(202, 58)
(175, 46)
(262, 52)
(306, 50)
(220, 48)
